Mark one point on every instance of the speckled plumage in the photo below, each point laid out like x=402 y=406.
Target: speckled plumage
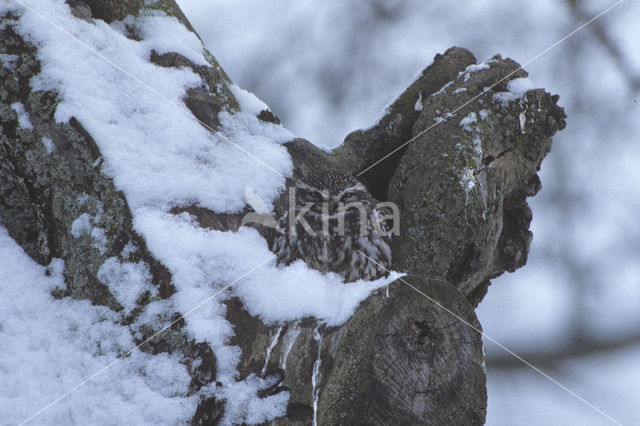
x=334 y=251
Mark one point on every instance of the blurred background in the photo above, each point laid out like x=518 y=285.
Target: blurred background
x=327 y=68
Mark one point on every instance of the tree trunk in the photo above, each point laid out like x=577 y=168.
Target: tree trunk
x=461 y=186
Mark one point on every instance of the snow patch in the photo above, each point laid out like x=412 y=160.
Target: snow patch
x=48 y=145
x=127 y=281
x=274 y=342
x=523 y=121
x=466 y=122
x=82 y=225
x=315 y=375
x=85 y=225
x=82 y=199
x=244 y=407
x=288 y=340
x=418 y=105
x=443 y=88
x=247 y=100
x=99 y=238
x=23 y=117
x=516 y=90
x=471 y=69
x=153 y=28
x=48 y=346
x=468 y=180
x=520 y=86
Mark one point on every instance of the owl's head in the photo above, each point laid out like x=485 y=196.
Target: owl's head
x=332 y=188
x=335 y=221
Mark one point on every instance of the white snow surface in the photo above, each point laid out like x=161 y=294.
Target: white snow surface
x=48 y=145
x=516 y=89
x=470 y=119
x=472 y=69
x=49 y=346
x=84 y=225
x=520 y=86
x=161 y=157
x=418 y=105
x=127 y=281
x=23 y=117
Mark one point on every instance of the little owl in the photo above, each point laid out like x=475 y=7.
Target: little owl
x=330 y=219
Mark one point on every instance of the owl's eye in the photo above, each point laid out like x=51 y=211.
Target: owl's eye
x=349 y=197
x=309 y=196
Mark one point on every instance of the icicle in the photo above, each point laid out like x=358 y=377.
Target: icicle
x=316 y=374
x=273 y=344
x=287 y=343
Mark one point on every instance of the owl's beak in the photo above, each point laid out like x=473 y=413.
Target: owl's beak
x=333 y=207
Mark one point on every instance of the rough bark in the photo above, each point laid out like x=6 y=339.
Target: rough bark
x=462 y=195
